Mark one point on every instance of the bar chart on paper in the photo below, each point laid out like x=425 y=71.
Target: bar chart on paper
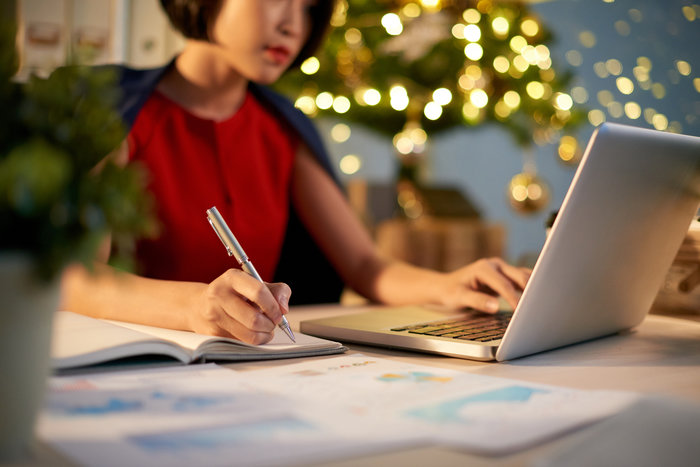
x=310 y=411
x=478 y=413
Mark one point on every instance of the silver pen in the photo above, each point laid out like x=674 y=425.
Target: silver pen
x=234 y=249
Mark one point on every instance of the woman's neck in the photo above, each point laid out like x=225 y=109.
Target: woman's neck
x=203 y=83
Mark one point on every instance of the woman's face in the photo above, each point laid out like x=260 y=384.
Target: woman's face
x=261 y=38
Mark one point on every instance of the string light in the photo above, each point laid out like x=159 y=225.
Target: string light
x=529 y=27
x=472 y=33
x=324 y=100
x=683 y=67
x=340 y=132
x=310 y=66
x=392 y=24
x=350 y=164
x=341 y=104
x=633 y=110
x=432 y=110
x=535 y=89
x=563 y=101
x=624 y=85
x=511 y=74
x=501 y=64
x=500 y=26
x=512 y=99
x=471 y=15
x=478 y=98
x=480 y=95
x=473 y=51
x=442 y=96
x=306 y=104
x=399 y=98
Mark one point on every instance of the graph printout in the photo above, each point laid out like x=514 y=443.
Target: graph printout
x=311 y=411
x=474 y=412
x=194 y=415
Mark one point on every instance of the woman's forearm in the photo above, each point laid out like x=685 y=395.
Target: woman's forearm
x=399 y=283
x=112 y=294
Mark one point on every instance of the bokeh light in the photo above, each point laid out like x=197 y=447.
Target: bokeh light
x=624 y=85
x=472 y=33
x=432 y=110
x=479 y=98
x=324 y=100
x=392 y=24
x=341 y=104
x=340 y=132
x=529 y=27
x=473 y=51
x=310 y=66
x=350 y=164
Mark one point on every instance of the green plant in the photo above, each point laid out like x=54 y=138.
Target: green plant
x=60 y=196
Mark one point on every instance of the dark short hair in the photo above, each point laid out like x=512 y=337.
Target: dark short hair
x=193 y=19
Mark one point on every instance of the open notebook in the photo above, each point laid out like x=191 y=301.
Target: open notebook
x=82 y=341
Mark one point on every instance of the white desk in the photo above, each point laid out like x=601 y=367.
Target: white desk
x=664 y=347
x=661 y=356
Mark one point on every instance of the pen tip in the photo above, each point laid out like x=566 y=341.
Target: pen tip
x=289 y=333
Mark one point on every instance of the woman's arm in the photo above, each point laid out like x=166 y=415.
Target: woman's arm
x=234 y=304
x=330 y=219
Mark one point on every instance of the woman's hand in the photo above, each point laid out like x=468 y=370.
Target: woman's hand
x=480 y=283
x=237 y=305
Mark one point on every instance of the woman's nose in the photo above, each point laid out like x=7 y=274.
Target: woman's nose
x=293 y=19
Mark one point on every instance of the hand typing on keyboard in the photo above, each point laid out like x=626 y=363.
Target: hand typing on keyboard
x=479 y=284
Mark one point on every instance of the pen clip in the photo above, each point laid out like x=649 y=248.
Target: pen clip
x=218 y=234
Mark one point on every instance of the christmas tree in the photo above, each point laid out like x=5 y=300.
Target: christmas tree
x=410 y=69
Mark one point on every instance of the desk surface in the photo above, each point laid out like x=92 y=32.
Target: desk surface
x=665 y=347
x=659 y=357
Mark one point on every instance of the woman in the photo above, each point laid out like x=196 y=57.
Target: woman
x=210 y=134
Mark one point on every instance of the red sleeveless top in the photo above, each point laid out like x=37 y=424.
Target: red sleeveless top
x=242 y=165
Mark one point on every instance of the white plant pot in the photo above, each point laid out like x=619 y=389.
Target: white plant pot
x=26 y=314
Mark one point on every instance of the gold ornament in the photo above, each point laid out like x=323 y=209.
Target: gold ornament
x=528 y=193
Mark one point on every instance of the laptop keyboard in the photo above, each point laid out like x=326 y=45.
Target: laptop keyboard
x=473 y=327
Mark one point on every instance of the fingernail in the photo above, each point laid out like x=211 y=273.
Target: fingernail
x=492 y=305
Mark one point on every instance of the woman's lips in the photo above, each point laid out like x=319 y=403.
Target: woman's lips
x=278 y=54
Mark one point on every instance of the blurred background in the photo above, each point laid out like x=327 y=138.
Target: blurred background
x=456 y=125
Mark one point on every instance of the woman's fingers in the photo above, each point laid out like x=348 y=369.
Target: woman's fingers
x=236 y=304
x=282 y=292
x=506 y=280
x=245 y=334
x=257 y=293
x=519 y=276
x=492 y=277
x=480 y=301
x=485 y=278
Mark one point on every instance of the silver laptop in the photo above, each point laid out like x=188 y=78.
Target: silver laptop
x=620 y=225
